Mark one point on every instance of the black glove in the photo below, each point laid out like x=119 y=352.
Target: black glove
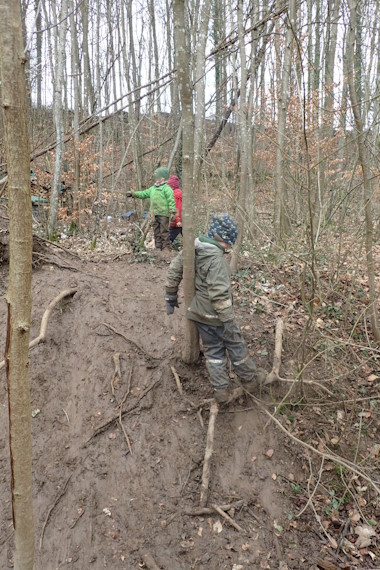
x=229 y=328
x=171 y=303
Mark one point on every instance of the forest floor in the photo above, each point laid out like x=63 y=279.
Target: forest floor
x=117 y=458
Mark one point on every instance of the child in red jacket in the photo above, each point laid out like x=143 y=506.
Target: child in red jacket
x=175 y=226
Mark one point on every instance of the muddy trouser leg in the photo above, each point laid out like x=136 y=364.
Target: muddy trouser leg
x=164 y=231
x=157 y=232
x=215 y=354
x=241 y=361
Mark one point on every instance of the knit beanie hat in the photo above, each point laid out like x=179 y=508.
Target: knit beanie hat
x=161 y=172
x=223 y=227
x=173 y=182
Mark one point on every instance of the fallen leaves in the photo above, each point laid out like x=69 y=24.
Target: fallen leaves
x=365 y=534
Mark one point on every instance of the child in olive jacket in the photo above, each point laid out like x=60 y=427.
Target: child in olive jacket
x=162 y=206
x=212 y=309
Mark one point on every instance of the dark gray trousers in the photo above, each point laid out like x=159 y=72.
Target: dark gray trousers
x=161 y=232
x=217 y=344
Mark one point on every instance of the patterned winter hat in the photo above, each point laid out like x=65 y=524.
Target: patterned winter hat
x=173 y=182
x=223 y=227
x=161 y=172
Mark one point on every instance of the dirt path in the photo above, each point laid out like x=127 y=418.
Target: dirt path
x=97 y=505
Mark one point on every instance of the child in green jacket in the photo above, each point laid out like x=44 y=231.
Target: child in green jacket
x=162 y=205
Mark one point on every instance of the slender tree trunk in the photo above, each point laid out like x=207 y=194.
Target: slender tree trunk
x=355 y=92
x=244 y=145
x=58 y=122
x=200 y=85
x=16 y=138
x=77 y=107
x=281 y=220
x=191 y=345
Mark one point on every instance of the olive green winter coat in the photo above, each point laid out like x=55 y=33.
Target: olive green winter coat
x=212 y=303
x=161 y=199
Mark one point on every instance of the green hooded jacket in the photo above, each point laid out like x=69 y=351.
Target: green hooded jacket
x=161 y=199
x=212 y=303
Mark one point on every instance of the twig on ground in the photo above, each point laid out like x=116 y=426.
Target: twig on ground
x=120 y=411
x=81 y=513
x=44 y=322
x=111 y=328
x=67 y=416
x=208 y=454
x=228 y=518
x=177 y=379
x=201 y=511
x=117 y=372
x=107 y=424
x=56 y=501
x=311 y=495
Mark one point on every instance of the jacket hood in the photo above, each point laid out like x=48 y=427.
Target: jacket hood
x=205 y=248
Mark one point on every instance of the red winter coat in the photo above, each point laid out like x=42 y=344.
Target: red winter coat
x=173 y=182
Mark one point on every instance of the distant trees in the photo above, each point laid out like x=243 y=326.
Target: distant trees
x=274 y=75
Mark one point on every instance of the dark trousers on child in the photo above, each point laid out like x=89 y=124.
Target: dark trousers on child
x=161 y=232
x=174 y=232
x=217 y=343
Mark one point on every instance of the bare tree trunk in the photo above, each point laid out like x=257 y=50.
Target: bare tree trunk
x=58 y=121
x=16 y=136
x=77 y=106
x=89 y=90
x=191 y=345
x=281 y=220
x=355 y=93
x=244 y=143
x=200 y=85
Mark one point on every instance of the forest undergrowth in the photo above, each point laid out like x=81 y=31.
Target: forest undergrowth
x=330 y=367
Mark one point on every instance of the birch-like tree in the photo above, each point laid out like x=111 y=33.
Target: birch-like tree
x=58 y=120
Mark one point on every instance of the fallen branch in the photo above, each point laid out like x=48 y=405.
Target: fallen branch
x=201 y=511
x=109 y=423
x=44 y=322
x=208 y=454
x=228 y=518
x=56 y=501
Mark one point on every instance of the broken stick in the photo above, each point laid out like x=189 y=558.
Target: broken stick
x=208 y=454
x=117 y=372
x=275 y=373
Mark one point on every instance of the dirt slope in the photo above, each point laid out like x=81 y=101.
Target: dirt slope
x=99 y=506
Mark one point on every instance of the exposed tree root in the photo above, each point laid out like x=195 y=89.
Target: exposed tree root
x=44 y=322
